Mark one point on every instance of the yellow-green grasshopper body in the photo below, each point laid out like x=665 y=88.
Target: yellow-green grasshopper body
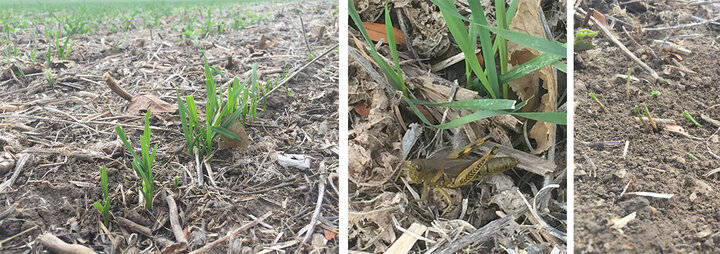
x=455 y=169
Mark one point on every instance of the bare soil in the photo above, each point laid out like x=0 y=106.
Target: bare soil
x=68 y=131
x=657 y=162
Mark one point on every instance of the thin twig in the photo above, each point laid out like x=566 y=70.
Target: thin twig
x=683 y=25
x=282 y=83
x=22 y=160
x=302 y=24
x=55 y=245
x=174 y=221
x=318 y=206
x=622 y=47
x=479 y=236
x=8 y=211
x=89 y=122
x=18 y=234
x=211 y=245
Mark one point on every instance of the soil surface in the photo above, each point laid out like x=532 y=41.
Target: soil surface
x=67 y=131
x=657 y=162
x=383 y=208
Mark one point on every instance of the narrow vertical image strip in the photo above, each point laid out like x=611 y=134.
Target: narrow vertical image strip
x=647 y=115
x=171 y=126
x=456 y=126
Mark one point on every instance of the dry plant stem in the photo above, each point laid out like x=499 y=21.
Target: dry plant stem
x=542 y=200
x=682 y=26
x=18 y=234
x=449 y=61
x=211 y=175
x=366 y=65
x=116 y=88
x=702 y=19
x=647 y=113
x=704 y=3
x=481 y=235
x=56 y=245
x=592 y=164
x=107 y=232
x=198 y=167
x=8 y=211
x=404 y=29
x=174 y=221
x=708 y=119
x=407 y=240
x=90 y=122
x=318 y=206
x=538 y=220
x=19 y=165
x=622 y=47
x=134 y=226
x=302 y=24
x=625 y=150
x=209 y=246
x=451 y=97
x=289 y=77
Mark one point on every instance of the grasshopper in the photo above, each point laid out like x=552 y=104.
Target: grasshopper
x=455 y=169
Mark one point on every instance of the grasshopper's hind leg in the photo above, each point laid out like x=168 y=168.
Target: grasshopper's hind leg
x=424 y=194
x=447 y=199
x=476 y=170
x=465 y=150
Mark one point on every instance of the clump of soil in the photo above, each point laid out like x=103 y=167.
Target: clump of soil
x=67 y=129
x=659 y=162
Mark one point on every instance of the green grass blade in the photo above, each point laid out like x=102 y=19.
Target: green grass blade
x=183 y=111
x=529 y=67
x=471 y=118
x=390 y=34
x=99 y=207
x=520 y=38
x=191 y=108
x=476 y=104
x=529 y=41
x=104 y=182
x=121 y=134
x=145 y=142
x=512 y=8
x=394 y=78
x=462 y=37
x=502 y=44
x=227 y=133
x=561 y=66
x=550 y=117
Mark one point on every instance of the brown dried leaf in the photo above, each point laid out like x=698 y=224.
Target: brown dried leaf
x=143 y=102
x=376 y=31
x=262 y=45
x=241 y=144
x=527 y=20
x=62 y=64
x=599 y=17
x=362 y=109
x=329 y=235
x=358 y=161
